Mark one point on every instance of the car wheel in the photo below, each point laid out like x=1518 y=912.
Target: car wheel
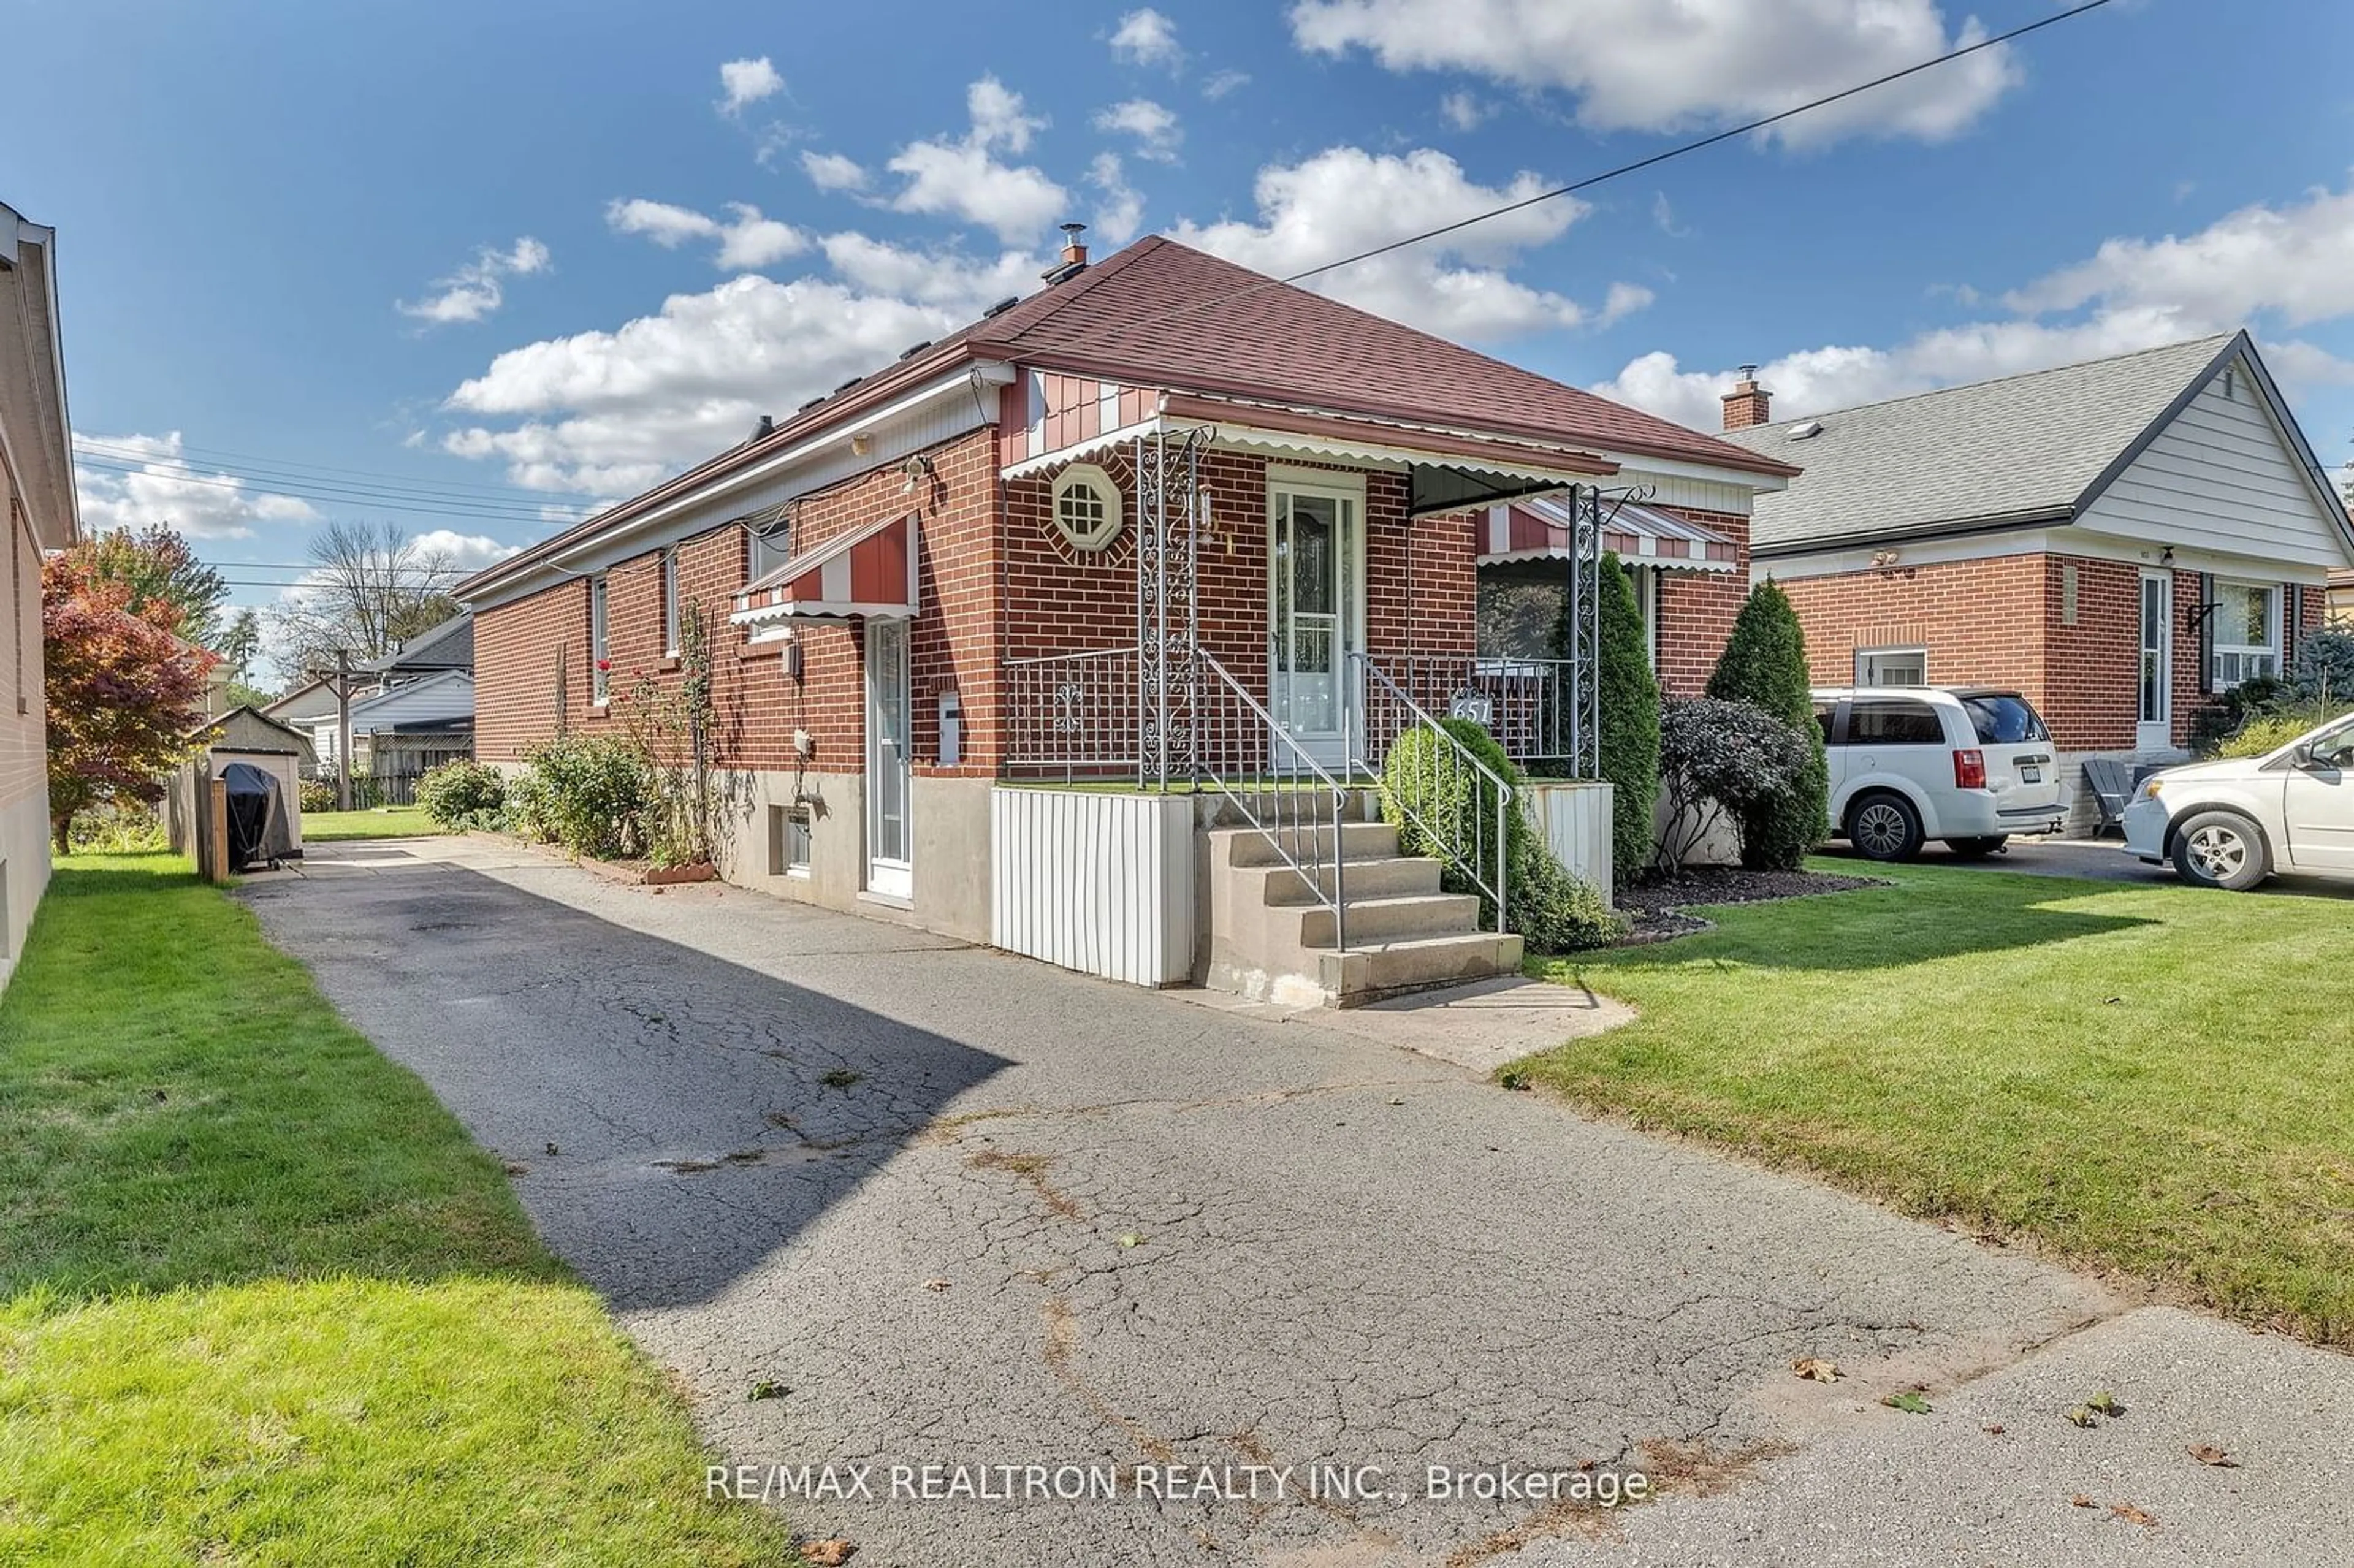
x=1977 y=849
x=1884 y=827
x=2220 y=848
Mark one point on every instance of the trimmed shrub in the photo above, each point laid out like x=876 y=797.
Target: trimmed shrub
x=2325 y=668
x=1553 y=911
x=2268 y=733
x=463 y=794
x=530 y=810
x=591 y=797
x=1765 y=663
x=1727 y=759
x=1629 y=701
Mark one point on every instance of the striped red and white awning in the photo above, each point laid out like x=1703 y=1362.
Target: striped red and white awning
x=869 y=571
x=1543 y=530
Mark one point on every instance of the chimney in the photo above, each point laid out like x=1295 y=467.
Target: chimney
x=1075 y=255
x=1748 y=404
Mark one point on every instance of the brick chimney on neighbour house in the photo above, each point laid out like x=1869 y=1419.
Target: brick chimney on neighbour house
x=1748 y=404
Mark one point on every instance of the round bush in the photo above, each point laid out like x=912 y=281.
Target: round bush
x=462 y=794
x=317 y=795
x=1734 y=755
x=1426 y=779
x=592 y=795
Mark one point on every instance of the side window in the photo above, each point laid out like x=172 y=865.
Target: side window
x=1875 y=722
x=1825 y=713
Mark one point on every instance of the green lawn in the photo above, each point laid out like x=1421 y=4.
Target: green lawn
x=389 y=823
x=261 y=1301
x=2151 y=1077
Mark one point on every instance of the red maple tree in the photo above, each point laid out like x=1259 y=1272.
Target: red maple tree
x=124 y=692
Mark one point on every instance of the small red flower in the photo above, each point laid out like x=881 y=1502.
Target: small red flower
x=604 y=663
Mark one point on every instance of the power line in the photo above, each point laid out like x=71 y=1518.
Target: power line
x=1763 y=123
x=382 y=501
x=124 y=458
x=244 y=459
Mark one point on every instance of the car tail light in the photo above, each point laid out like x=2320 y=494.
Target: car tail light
x=1969 y=770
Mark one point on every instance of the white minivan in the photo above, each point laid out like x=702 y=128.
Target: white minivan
x=1969 y=765
x=2232 y=822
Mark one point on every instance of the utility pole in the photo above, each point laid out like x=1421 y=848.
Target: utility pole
x=343 y=729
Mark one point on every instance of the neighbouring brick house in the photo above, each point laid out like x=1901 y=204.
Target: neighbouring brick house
x=2122 y=540
x=952 y=573
x=37 y=487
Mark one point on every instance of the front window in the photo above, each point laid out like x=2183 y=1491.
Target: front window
x=2247 y=633
x=772 y=540
x=601 y=661
x=1086 y=507
x=1893 y=667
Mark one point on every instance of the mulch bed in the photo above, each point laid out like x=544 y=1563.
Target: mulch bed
x=1658 y=908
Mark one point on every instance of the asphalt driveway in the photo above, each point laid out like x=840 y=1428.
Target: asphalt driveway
x=877 y=1199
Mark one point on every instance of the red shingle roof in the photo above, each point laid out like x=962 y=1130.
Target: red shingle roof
x=1162 y=313
x=1159 y=314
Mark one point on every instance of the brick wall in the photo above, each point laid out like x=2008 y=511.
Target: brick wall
x=1697 y=609
x=997 y=581
x=1980 y=620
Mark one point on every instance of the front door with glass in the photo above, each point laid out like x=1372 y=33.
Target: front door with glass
x=890 y=869
x=1316 y=614
x=2155 y=732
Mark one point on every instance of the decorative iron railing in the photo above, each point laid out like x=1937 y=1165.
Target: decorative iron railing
x=1441 y=770
x=1240 y=751
x=1074 y=715
x=1530 y=705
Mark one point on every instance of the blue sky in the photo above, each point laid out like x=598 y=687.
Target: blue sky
x=496 y=262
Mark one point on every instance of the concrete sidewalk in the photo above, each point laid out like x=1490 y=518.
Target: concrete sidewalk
x=940 y=1205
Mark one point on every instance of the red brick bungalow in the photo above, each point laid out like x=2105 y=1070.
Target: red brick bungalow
x=929 y=583
x=2123 y=540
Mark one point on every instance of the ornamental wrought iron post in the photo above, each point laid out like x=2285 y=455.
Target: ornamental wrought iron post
x=1584 y=716
x=1168 y=615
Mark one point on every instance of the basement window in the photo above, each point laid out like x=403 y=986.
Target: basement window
x=788 y=841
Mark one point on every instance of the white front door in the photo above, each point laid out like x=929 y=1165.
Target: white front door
x=890 y=850
x=2156 y=729
x=1316 y=560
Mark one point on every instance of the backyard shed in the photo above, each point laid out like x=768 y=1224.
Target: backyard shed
x=242 y=734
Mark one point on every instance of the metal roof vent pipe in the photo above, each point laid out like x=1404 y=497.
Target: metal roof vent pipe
x=1075 y=255
x=766 y=427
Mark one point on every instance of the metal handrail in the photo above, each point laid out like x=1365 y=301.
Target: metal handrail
x=1073 y=714
x=1234 y=727
x=1455 y=755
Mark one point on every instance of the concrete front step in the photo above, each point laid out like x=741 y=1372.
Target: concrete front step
x=1390 y=876
x=1248 y=846
x=1375 y=920
x=1383 y=969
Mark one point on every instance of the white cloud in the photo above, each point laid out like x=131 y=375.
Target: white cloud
x=1155 y=128
x=2285 y=264
x=608 y=413
x=747 y=82
x=1121 y=212
x=748 y=241
x=1145 y=37
x=464 y=551
x=1663 y=213
x=1623 y=301
x=834 y=172
x=998 y=119
x=1464 y=110
x=163 y=486
x=1638 y=64
x=658 y=221
x=479 y=288
x=1345 y=200
x=1225 y=82
x=963 y=178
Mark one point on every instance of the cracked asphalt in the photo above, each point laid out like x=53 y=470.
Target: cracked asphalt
x=941 y=1205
